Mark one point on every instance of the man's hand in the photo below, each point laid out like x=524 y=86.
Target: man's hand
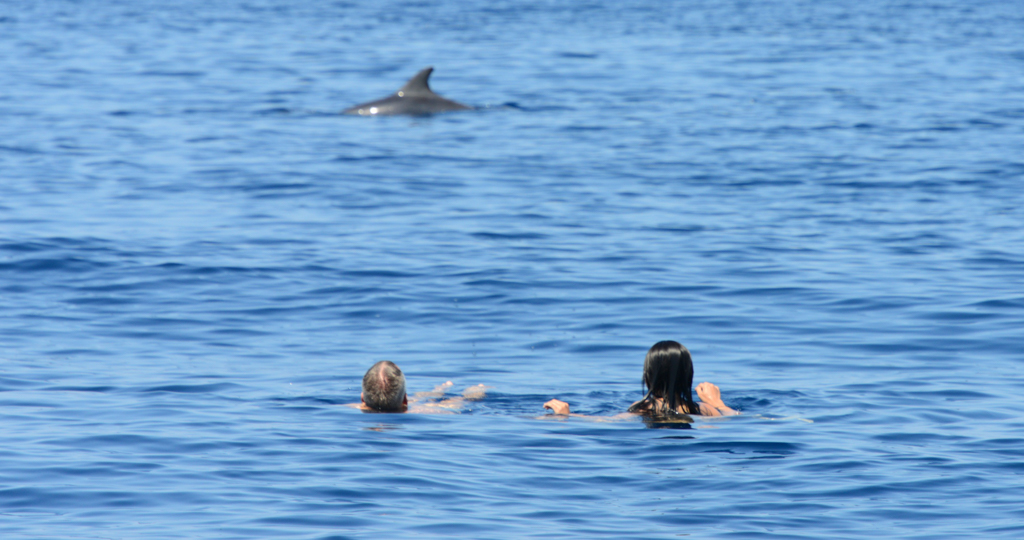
x=475 y=392
x=442 y=388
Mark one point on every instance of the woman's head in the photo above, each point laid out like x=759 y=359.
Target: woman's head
x=668 y=376
x=384 y=387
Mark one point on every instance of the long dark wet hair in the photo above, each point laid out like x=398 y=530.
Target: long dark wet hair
x=668 y=374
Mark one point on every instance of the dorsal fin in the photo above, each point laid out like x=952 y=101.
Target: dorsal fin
x=417 y=84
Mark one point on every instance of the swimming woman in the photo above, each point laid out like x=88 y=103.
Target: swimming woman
x=668 y=378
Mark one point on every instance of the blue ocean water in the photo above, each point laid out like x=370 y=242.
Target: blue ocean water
x=199 y=258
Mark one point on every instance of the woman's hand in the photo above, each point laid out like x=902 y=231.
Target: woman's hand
x=710 y=394
x=557 y=407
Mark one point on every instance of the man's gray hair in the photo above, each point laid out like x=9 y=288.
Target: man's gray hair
x=384 y=387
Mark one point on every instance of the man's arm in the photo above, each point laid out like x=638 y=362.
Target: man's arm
x=450 y=405
x=438 y=391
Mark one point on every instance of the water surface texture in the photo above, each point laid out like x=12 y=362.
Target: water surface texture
x=199 y=258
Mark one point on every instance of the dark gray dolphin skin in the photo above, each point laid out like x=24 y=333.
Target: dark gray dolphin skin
x=415 y=98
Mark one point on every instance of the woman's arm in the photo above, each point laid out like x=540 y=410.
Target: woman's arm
x=561 y=408
x=557 y=406
x=712 y=404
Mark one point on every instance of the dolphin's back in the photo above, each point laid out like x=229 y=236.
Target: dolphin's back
x=414 y=98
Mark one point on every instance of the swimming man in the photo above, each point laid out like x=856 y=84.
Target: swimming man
x=384 y=391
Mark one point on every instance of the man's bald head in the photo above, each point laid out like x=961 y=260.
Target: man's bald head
x=384 y=387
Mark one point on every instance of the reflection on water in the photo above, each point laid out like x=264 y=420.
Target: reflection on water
x=383 y=427
x=667 y=423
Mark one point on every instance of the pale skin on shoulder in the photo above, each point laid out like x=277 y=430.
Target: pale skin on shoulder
x=711 y=404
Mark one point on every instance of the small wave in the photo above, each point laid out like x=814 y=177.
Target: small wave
x=192 y=388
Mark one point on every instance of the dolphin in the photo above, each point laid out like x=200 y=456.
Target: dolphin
x=415 y=98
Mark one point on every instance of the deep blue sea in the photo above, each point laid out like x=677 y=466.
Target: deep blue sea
x=199 y=259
